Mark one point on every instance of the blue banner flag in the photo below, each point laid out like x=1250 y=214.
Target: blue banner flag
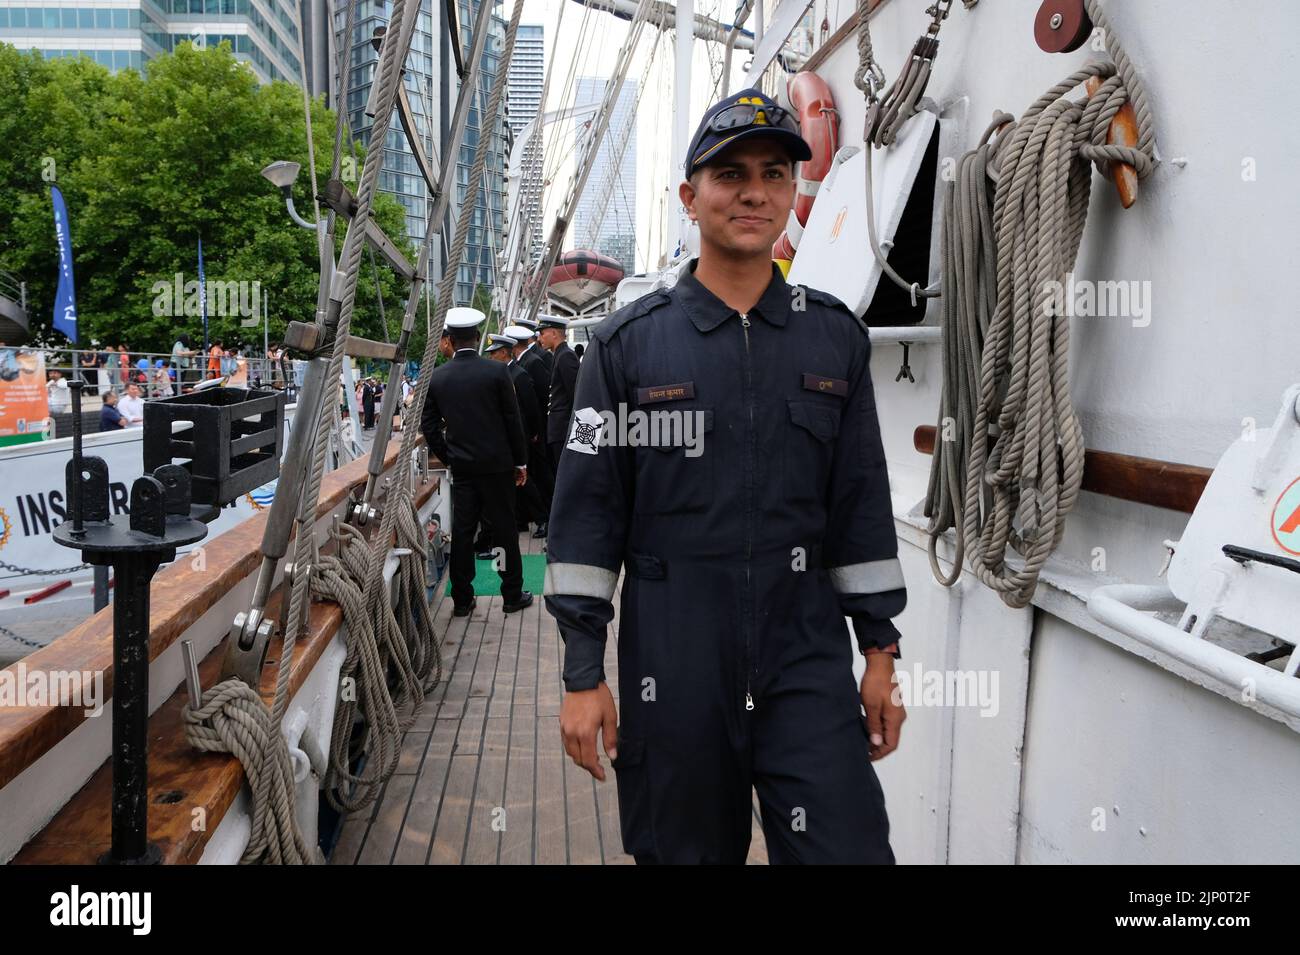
x=203 y=297
x=65 y=299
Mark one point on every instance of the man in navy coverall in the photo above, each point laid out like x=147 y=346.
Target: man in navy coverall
x=750 y=519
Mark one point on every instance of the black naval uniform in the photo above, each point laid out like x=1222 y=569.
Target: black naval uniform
x=564 y=382
x=474 y=398
x=538 y=363
x=742 y=562
x=534 y=498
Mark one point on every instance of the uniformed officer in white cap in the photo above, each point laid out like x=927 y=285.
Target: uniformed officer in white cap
x=537 y=362
x=472 y=423
x=532 y=501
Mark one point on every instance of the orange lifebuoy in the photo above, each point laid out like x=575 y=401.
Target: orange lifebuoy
x=819 y=124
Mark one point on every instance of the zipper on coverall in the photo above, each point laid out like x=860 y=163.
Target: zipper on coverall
x=749 y=544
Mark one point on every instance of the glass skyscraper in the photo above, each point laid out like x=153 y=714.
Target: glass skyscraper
x=527 y=73
x=431 y=85
x=605 y=220
x=126 y=33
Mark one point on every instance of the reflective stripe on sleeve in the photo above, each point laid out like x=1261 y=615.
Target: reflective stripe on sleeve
x=579 y=580
x=872 y=577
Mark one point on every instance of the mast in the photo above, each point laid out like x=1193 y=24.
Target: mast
x=683 y=50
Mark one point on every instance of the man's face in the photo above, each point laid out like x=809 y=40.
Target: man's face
x=550 y=338
x=742 y=200
x=110 y=398
x=444 y=346
x=500 y=354
x=133 y=391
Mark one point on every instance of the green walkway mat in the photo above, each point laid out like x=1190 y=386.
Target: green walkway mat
x=487 y=582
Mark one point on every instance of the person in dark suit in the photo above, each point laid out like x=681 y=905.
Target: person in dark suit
x=529 y=504
x=368 y=405
x=564 y=383
x=472 y=423
x=537 y=362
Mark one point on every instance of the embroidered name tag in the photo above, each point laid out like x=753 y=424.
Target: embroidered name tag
x=829 y=386
x=678 y=392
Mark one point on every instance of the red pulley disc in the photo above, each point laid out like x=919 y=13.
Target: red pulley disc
x=1061 y=26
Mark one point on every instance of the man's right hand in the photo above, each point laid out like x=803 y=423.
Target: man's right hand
x=583 y=714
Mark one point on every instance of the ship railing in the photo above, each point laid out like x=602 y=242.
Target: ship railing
x=55 y=777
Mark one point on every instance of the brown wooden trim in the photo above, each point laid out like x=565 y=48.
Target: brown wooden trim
x=1176 y=487
x=179 y=597
x=180 y=778
x=847 y=29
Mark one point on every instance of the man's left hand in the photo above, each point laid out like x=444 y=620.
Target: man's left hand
x=884 y=716
x=521 y=475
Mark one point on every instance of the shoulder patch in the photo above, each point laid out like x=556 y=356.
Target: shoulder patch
x=633 y=310
x=825 y=298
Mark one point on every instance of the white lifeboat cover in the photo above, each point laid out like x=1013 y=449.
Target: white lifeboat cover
x=835 y=252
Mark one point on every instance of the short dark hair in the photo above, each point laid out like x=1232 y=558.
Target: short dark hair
x=463 y=337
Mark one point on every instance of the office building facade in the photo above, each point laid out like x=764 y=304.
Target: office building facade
x=126 y=34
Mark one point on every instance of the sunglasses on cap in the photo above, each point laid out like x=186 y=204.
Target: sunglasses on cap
x=740 y=115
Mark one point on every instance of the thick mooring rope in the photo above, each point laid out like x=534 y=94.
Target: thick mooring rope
x=233 y=719
x=400 y=516
x=217 y=734
x=1023 y=478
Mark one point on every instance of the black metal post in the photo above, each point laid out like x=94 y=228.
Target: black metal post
x=74 y=487
x=131 y=846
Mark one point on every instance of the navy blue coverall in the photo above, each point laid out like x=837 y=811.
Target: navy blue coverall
x=743 y=556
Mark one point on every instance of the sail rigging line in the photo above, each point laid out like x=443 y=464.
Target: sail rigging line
x=591 y=146
x=311 y=144
x=1022 y=481
x=400 y=516
x=264 y=785
x=619 y=151
x=231 y=717
x=581 y=53
x=362 y=586
x=888 y=112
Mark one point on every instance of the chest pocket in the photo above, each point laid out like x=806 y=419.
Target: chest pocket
x=674 y=461
x=810 y=448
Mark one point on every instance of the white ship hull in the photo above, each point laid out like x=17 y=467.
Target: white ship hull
x=1102 y=749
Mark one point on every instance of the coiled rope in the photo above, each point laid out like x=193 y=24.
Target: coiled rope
x=1024 y=449
x=221 y=703
x=400 y=515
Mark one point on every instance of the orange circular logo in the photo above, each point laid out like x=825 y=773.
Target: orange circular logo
x=1286 y=519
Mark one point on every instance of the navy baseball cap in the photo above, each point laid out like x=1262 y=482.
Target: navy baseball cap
x=744 y=115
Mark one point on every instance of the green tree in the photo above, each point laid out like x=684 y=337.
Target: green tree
x=147 y=165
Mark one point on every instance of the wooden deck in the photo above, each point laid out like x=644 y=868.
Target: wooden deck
x=483 y=777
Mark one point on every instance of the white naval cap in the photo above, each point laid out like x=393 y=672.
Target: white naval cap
x=499 y=342
x=527 y=323
x=554 y=321
x=519 y=333
x=462 y=317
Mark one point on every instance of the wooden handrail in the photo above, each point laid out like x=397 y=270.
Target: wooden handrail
x=182 y=780
x=179 y=597
x=1176 y=487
